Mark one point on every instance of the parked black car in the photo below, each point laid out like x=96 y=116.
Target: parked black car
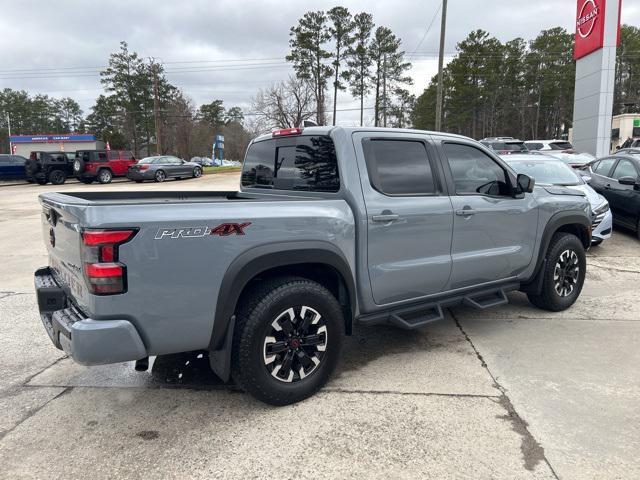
x=617 y=178
x=54 y=167
x=12 y=167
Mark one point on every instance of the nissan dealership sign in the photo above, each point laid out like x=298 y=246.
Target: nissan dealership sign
x=590 y=22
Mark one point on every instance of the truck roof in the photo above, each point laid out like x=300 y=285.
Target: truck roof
x=326 y=130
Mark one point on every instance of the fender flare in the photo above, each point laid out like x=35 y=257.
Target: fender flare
x=557 y=221
x=254 y=262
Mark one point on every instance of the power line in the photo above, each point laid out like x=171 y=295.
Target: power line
x=426 y=32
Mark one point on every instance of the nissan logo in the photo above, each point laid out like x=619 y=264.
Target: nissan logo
x=587 y=18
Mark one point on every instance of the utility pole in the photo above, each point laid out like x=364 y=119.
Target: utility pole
x=384 y=90
x=440 y=65
x=156 y=107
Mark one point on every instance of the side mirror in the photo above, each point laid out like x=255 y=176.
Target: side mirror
x=627 y=181
x=525 y=183
x=586 y=178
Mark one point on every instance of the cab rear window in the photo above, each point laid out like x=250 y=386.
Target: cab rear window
x=304 y=163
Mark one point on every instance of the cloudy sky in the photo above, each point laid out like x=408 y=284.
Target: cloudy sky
x=228 y=49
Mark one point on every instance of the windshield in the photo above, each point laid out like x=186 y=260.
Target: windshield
x=551 y=172
x=510 y=146
x=148 y=160
x=561 y=146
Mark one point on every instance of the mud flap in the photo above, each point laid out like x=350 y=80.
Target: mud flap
x=220 y=360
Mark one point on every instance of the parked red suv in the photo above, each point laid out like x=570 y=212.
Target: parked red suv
x=101 y=165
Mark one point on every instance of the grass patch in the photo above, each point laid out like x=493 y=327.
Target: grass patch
x=221 y=169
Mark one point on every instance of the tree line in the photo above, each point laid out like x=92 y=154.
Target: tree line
x=519 y=88
x=124 y=114
x=332 y=52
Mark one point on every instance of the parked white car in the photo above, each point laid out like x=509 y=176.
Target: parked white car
x=547 y=170
x=560 y=149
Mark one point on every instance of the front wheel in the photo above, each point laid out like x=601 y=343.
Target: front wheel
x=160 y=176
x=287 y=339
x=197 y=172
x=563 y=274
x=105 y=176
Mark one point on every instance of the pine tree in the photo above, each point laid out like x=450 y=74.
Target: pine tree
x=358 y=73
x=309 y=56
x=341 y=30
x=389 y=70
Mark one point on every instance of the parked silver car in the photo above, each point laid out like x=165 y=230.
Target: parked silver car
x=161 y=167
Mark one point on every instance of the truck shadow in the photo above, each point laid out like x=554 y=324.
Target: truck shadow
x=366 y=345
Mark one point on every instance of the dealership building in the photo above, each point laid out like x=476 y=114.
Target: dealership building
x=25 y=144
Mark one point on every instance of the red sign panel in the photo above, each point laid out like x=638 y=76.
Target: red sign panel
x=589 y=27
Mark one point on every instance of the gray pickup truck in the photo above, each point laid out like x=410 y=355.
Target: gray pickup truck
x=333 y=228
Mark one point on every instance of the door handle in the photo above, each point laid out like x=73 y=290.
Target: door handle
x=607 y=186
x=385 y=218
x=465 y=212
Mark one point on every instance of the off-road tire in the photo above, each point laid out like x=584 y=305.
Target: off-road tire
x=160 y=176
x=549 y=298
x=105 y=176
x=79 y=163
x=258 y=308
x=57 y=177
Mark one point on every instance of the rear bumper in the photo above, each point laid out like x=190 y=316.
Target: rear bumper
x=87 y=341
x=146 y=175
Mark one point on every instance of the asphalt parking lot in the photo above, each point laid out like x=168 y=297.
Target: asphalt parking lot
x=512 y=392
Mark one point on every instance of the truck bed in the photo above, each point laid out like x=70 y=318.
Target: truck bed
x=138 y=198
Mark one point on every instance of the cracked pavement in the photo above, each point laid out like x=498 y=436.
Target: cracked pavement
x=510 y=392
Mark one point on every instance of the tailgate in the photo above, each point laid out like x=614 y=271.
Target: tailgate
x=61 y=232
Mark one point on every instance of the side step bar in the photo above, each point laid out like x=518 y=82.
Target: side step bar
x=417 y=316
x=486 y=300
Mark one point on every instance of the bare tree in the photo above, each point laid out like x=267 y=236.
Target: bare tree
x=286 y=104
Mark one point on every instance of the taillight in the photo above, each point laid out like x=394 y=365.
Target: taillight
x=144 y=166
x=105 y=275
x=283 y=132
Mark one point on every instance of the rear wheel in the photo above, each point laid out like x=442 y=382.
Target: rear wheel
x=160 y=176
x=287 y=339
x=105 y=176
x=57 y=177
x=563 y=274
x=197 y=172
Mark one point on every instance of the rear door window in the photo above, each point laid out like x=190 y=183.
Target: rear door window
x=399 y=167
x=305 y=163
x=604 y=166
